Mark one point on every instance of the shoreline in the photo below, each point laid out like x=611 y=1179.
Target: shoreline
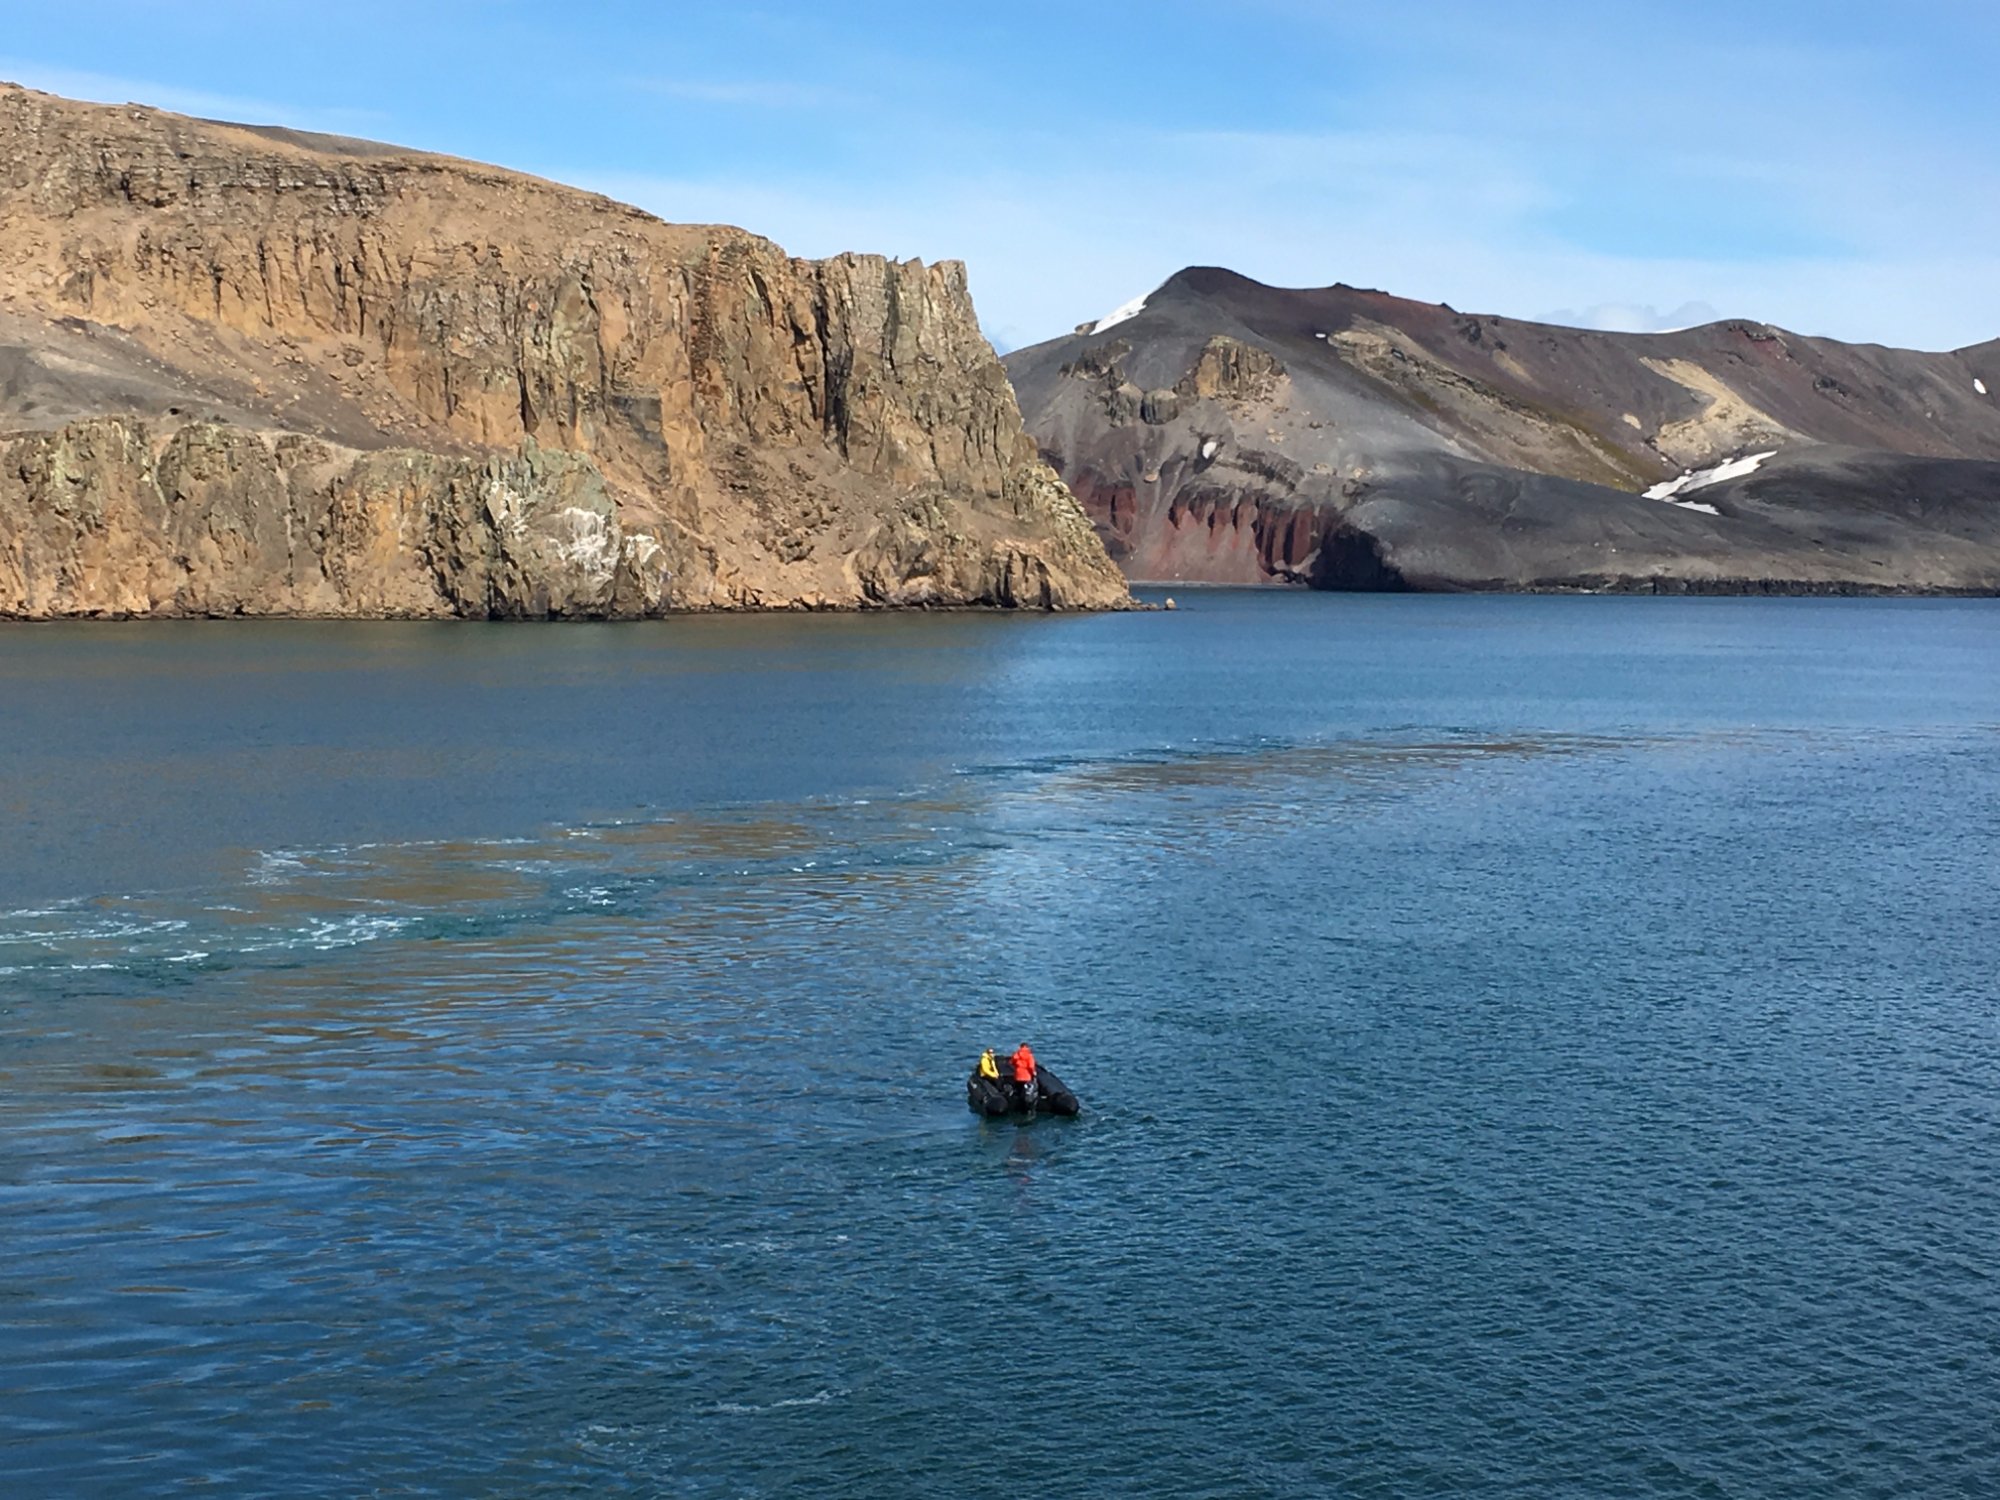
x=1667 y=589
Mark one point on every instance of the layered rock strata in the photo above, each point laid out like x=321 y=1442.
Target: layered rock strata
x=255 y=371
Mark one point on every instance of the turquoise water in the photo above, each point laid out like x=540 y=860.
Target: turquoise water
x=1530 y=1047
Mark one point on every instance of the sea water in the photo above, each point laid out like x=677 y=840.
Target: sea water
x=1539 y=1047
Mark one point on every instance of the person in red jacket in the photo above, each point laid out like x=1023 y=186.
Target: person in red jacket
x=1024 y=1073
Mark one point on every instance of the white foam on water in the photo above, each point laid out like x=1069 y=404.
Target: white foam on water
x=108 y=930
x=751 y=1409
x=326 y=934
x=275 y=867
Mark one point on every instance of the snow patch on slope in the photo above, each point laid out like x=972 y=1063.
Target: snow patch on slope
x=1123 y=314
x=1979 y=385
x=1673 y=489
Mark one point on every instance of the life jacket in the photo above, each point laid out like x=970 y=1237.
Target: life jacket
x=988 y=1068
x=1024 y=1064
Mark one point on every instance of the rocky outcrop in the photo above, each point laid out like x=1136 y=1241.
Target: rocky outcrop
x=213 y=520
x=265 y=372
x=1237 y=433
x=1230 y=370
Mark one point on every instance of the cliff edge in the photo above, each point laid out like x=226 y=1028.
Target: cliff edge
x=250 y=370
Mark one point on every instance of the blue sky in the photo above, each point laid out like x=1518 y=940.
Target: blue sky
x=1829 y=167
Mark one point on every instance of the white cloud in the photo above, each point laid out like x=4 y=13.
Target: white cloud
x=107 y=88
x=1623 y=317
x=1736 y=190
x=749 y=93
x=1051 y=240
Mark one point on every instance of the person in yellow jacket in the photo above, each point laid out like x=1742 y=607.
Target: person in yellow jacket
x=988 y=1067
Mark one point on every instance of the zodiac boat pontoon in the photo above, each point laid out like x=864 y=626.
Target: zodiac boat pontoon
x=997 y=1098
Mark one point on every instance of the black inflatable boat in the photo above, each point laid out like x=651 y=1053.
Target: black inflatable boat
x=997 y=1098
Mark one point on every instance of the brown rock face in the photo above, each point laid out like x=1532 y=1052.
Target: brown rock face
x=252 y=371
x=1228 y=370
x=106 y=518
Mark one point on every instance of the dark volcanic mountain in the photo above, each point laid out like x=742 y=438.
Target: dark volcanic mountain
x=1226 y=431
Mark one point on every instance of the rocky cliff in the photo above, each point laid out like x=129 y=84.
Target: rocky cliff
x=1232 y=432
x=254 y=371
